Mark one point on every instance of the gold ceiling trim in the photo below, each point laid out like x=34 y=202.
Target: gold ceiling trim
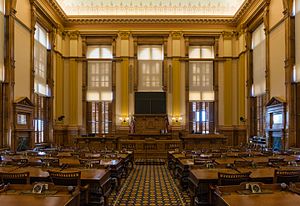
x=151 y=20
x=156 y=20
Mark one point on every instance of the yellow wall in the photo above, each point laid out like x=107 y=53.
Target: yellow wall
x=221 y=106
x=23 y=9
x=66 y=87
x=277 y=57
x=22 y=64
x=276 y=12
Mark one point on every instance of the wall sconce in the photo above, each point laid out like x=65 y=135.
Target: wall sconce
x=176 y=119
x=124 y=120
x=243 y=120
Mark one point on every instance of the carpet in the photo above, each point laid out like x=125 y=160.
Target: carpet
x=149 y=185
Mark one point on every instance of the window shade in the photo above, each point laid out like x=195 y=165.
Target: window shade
x=150 y=52
x=150 y=59
x=99 y=51
x=99 y=81
x=259 y=60
x=197 y=52
x=150 y=75
x=2 y=7
x=1 y=40
x=201 y=81
x=40 y=61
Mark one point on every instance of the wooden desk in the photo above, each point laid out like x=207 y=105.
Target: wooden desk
x=181 y=171
x=264 y=159
x=199 y=181
x=228 y=196
x=64 y=154
x=206 y=175
x=264 y=174
x=97 y=143
x=14 y=197
x=98 y=179
x=274 y=199
x=227 y=160
x=86 y=174
x=200 y=141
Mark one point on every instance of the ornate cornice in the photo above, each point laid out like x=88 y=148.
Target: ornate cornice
x=149 y=20
x=59 y=10
x=240 y=13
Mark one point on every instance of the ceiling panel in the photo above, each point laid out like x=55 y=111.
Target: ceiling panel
x=150 y=7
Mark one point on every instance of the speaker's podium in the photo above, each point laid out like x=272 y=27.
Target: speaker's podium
x=150 y=140
x=150 y=123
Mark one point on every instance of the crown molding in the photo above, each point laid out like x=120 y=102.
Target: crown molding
x=150 y=20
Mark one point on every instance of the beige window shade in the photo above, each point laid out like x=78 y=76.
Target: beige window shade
x=259 y=61
x=1 y=40
x=150 y=52
x=2 y=7
x=40 y=61
x=201 y=81
x=99 y=81
x=197 y=52
x=99 y=51
x=150 y=59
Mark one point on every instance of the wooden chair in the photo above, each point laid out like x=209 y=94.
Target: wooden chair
x=203 y=162
x=15 y=178
x=52 y=162
x=240 y=163
x=90 y=163
x=276 y=161
x=286 y=176
x=70 y=179
x=22 y=161
x=65 y=178
x=232 y=179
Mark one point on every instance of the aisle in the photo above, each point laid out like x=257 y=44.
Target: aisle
x=149 y=185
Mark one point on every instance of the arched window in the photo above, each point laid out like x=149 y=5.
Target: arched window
x=41 y=87
x=201 y=89
x=99 y=89
x=258 y=91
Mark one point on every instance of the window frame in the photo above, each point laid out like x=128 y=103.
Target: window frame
x=96 y=120
x=209 y=106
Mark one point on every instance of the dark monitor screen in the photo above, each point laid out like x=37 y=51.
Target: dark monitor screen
x=150 y=103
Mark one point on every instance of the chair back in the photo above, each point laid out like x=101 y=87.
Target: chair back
x=240 y=163
x=286 y=176
x=15 y=178
x=201 y=161
x=53 y=162
x=276 y=161
x=233 y=179
x=22 y=161
x=65 y=178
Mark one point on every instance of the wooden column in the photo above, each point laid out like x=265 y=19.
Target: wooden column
x=124 y=66
x=8 y=84
x=290 y=123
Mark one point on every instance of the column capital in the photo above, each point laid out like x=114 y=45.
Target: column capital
x=124 y=35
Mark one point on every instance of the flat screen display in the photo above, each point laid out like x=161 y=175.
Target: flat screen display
x=150 y=103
